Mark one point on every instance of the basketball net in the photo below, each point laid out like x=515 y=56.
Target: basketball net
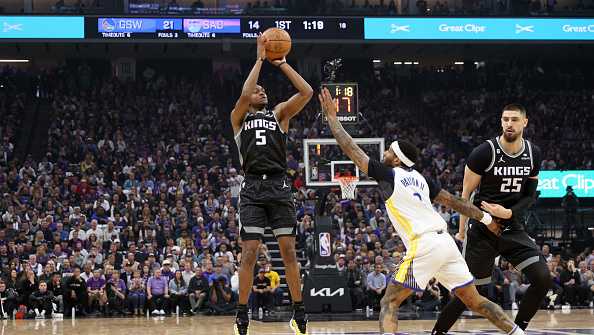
x=348 y=184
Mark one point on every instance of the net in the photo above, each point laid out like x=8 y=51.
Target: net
x=347 y=186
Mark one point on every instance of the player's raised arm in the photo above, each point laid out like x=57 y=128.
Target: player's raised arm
x=249 y=86
x=286 y=110
x=348 y=146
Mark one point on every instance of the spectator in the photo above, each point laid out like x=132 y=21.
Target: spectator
x=8 y=300
x=75 y=294
x=97 y=295
x=136 y=293
x=41 y=301
x=570 y=203
x=262 y=292
x=27 y=285
x=198 y=290
x=157 y=289
x=116 y=294
x=376 y=285
x=167 y=271
x=55 y=286
x=570 y=281
x=499 y=288
x=354 y=283
x=178 y=289
x=275 y=290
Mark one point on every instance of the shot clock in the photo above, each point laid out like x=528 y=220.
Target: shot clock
x=346 y=98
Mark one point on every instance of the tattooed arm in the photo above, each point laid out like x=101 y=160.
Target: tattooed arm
x=464 y=207
x=348 y=146
x=458 y=204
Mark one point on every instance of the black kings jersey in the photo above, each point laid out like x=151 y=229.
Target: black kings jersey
x=262 y=144
x=504 y=176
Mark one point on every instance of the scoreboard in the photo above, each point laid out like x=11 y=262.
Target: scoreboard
x=218 y=28
x=346 y=98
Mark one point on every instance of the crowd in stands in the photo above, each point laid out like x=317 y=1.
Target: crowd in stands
x=133 y=205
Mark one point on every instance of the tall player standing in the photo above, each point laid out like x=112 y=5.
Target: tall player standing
x=265 y=198
x=504 y=171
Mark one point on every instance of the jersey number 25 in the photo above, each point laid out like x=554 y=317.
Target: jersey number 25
x=511 y=185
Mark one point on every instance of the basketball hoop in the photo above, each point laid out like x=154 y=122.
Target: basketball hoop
x=347 y=186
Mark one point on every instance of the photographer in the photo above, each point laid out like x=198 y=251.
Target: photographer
x=430 y=299
x=221 y=297
x=570 y=203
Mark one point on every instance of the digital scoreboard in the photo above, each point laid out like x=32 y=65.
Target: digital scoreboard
x=218 y=28
x=346 y=98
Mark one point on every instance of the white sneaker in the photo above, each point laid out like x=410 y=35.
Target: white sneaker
x=57 y=315
x=162 y=312
x=155 y=312
x=591 y=304
x=514 y=306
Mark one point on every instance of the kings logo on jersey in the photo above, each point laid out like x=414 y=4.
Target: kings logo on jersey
x=325 y=246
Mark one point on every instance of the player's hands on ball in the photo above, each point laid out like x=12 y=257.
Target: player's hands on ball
x=328 y=105
x=496 y=210
x=261 y=49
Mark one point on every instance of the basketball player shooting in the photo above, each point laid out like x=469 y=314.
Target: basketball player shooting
x=265 y=197
x=431 y=251
x=505 y=171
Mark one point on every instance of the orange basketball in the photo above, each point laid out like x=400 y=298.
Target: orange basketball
x=278 y=44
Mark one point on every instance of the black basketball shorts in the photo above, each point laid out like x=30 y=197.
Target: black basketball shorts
x=266 y=202
x=481 y=247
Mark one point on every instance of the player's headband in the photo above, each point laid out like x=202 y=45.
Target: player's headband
x=396 y=148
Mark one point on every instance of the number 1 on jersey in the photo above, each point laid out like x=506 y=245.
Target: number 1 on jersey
x=261 y=137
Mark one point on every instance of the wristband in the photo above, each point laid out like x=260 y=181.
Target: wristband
x=281 y=64
x=487 y=219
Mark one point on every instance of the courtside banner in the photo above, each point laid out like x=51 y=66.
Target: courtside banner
x=479 y=29
x=552 y=184
x=46 y=27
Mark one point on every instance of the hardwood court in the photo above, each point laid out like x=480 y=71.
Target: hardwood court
x=571 y=323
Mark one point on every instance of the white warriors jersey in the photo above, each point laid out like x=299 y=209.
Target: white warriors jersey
x=410 y=208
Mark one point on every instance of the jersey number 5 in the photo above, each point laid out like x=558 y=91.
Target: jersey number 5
x=260 y=137
x=511 y=185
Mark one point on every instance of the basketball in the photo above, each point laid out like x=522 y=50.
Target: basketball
x=278 y=44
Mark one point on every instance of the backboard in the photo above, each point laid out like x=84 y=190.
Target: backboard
x=324 y=160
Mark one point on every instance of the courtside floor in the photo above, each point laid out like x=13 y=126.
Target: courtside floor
x=546 y=322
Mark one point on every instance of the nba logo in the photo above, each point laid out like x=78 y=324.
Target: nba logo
x=325 y=247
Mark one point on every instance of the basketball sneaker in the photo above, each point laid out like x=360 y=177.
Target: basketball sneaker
x=298 y=323
x=242 y=323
